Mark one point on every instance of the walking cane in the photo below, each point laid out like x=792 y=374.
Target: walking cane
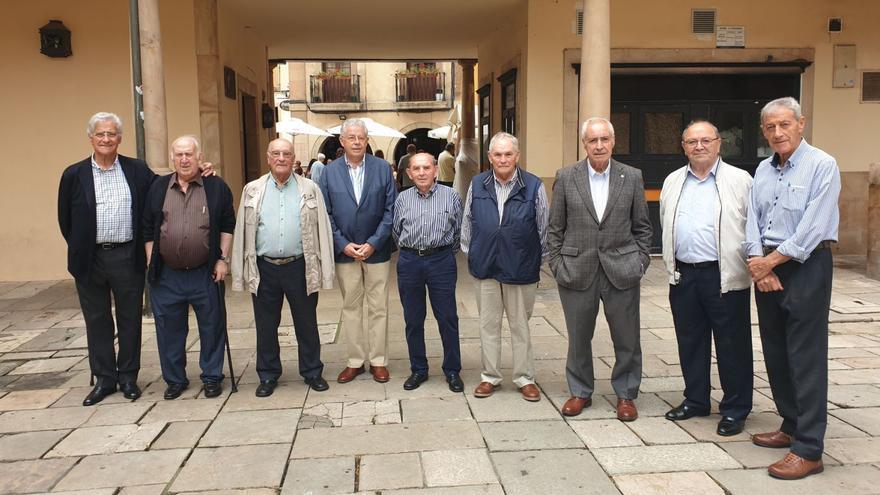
x=221 y=295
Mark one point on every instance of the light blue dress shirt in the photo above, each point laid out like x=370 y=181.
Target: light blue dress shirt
x=695 y=219
x=793 y=205
x=356 y=174
x=278 y=230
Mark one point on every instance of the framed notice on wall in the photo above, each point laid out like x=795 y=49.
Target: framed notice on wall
x=229 y=82
x=730 y=37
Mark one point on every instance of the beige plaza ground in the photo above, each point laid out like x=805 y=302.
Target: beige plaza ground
x=366 y=437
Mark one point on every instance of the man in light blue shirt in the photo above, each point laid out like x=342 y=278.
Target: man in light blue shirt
x=317 y=168
x=703 y=208
x=792 y=221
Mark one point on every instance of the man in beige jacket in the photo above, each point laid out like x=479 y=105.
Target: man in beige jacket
x=283 y=247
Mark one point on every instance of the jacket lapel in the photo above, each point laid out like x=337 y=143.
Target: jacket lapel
x=88 y=184
x=582 y=184
x=615 y=185
x=346 y=179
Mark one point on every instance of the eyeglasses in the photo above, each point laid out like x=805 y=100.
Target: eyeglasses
x=692 y=143
x=285 y=154
x=101 y=135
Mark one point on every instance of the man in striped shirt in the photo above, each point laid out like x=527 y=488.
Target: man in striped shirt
x=427 y=226
x=792 y=221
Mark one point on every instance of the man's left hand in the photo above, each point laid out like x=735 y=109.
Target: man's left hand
x=220 y=271
x=207 y=169
x=759 y=267
x=366 y=250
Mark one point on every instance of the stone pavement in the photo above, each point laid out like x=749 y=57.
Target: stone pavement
x=366 y=437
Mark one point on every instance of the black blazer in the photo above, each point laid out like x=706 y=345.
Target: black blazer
x=220 y=211
x=77 y=215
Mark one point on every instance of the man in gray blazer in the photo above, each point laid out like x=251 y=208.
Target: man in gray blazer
x=598 y=242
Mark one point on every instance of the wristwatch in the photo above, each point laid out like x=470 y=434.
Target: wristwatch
x=224 y=259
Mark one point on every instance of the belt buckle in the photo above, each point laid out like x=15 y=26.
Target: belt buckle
x=106 y=246
x=422 y=252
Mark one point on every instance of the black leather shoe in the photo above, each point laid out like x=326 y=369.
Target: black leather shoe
x=130 y=390
x=97 y=395
x=455 y=383
x=318 y=383
x=414 y=381
x=684 y=412
x=266 y=388
x=174 y=390
x=213 y=389
x=729 y=427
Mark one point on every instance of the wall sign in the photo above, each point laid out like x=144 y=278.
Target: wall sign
x=730 y=37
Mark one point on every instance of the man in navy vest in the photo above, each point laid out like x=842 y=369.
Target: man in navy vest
x=503 y=233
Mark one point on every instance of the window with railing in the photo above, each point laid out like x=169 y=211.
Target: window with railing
x=420 y=82
x=335 y=87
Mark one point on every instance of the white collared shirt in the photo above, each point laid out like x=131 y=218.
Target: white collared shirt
x=599 y=188
x=356 y=174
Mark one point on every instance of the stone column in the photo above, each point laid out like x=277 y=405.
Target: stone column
x=468 y=159
x=873 y=265
x=595 y=84
x=209 y=75
x=155 y=117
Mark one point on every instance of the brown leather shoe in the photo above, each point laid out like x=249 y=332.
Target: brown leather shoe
x=774 y=439
x=575 y=405
x=349 y=374
x=530 y=393
x=626 y=410
x=380 y=373
x=794 y=467
x=484 y=389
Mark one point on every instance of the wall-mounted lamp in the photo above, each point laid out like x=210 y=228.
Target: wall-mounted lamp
x=55 y=40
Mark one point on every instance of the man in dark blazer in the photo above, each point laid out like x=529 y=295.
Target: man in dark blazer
x=100 y=202
x=598 y=242
x=359 y=193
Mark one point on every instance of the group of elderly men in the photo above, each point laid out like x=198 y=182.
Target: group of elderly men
x=722 y=232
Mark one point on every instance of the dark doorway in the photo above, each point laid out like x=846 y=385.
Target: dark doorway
x=250 y=141
x=419 y=137
x=331 y=144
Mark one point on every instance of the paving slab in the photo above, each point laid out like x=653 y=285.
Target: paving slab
x=181 y=435
x=751 y=456
x=143 y=490
x=247 y=466
x=30 y=399
x=360 y=389
x=658 y=431
x=243 y=491
x=429 y=409
x=118 y=414
x=458 y=467
x=551 y=471
x=101 y=491
x=124 y=469
x=450 y=490
x=529 y=435
x=33 y=475
x=599 y=433
x=705 y=429
x=183 y=410
x=29 y=445
x=313 y=476
x=850 y=396
x=44 y=419
x=107 y=439
x=386 y=439
x=287 y=395
x=849 y=480
x=46 y=365
x=664 y=458
x=252 y=427
x=390 y=471
x=854 y=450
x=667 y=484
x=326 y=415
x=866 y=419
x=507 y=404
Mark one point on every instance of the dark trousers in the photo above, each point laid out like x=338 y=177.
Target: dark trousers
x=437 y=272
x=700 y=311
x=113 y=273
x=580 y=308
x=276 y=283
x=794 y=335
x=171 y=296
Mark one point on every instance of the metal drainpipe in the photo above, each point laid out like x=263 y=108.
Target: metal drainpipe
x=135 y=37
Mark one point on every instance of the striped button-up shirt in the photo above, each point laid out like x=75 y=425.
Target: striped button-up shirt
x=426 y=221
x=502 y=192
x=112 y=203
x=793 y=205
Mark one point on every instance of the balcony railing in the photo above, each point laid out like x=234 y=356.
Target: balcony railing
x=336 y=89
x=421 y=87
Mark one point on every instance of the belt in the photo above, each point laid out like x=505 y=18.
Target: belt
x=822 y=245
x=106 y=246
x=427 y=251
x=701 y=264
x=281 y=261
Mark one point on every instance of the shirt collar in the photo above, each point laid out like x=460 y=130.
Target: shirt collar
x=355 y=165
x=198 y=180
x=594 y=174
x=285 y=184
x=512 y=178
x=112 y=165
x=794 y=158
x=430 y=191
x=712 y=171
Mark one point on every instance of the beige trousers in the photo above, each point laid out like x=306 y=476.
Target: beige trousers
x=494 y=299
x=356 y=280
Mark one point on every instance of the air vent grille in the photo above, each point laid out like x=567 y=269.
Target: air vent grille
x=703 y=21
x=579 y=22
x=871 y=86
